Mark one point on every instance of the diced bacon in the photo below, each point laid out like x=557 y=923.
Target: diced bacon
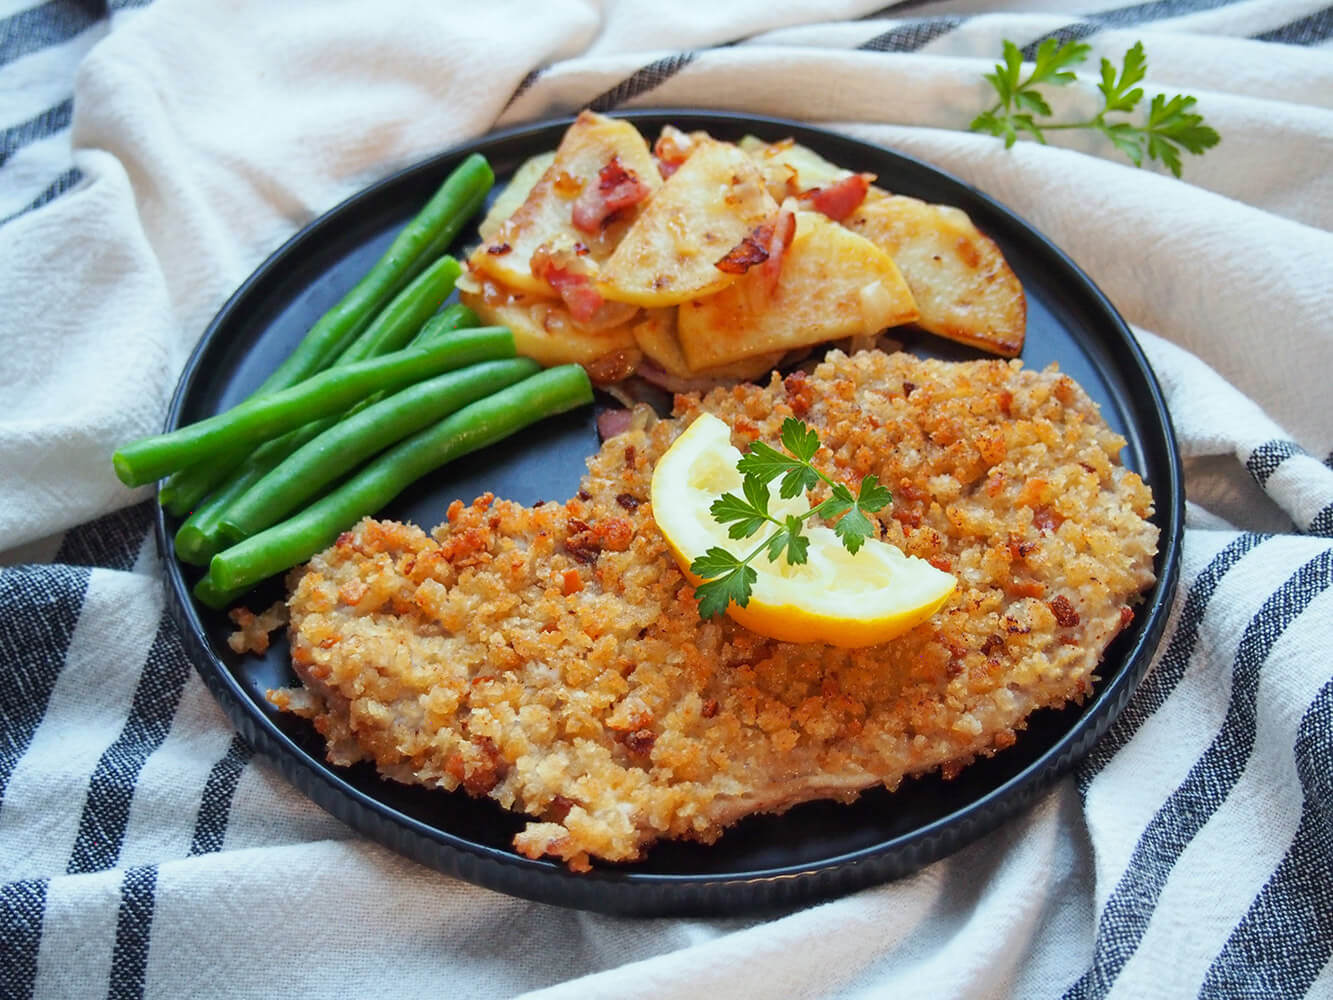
x=841 y=198
x=574 y=286
x=612 y=422
x=571 y=278
x=751 y=250
x=784 y=230
x=582 y=299
x=672 y=148
x=617 y=188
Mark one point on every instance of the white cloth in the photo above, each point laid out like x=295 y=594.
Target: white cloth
x=142 y=850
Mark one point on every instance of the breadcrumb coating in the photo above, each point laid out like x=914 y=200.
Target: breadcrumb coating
x=552 y=657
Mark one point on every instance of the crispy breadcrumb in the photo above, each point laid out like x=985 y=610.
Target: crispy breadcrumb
x=252 y=630
x=552 y=658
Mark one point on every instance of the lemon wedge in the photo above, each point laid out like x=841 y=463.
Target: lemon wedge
x=834 y=597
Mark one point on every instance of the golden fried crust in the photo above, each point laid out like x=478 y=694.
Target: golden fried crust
x=552 y=657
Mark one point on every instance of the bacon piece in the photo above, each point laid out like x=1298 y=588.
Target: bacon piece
x=841 y=198
x=751 y=250
x=784 y=230
x=571 y=279
x=617 y=188
x=672 y=148
x=1065 y=615
x=580 y=298
x=612 y=422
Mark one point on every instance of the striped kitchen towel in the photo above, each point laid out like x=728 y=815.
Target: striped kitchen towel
x=154 y=154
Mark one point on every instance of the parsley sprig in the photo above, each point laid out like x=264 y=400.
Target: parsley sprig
x=728 y=577
x=1172 y=125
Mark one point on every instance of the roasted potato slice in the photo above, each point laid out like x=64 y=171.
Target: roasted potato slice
x=515 y=193
x=546 y=216
x=543 y=329
x=960 y=279
x=833 y=284
x=705 y=208
x=655 y=333
x=790 y=168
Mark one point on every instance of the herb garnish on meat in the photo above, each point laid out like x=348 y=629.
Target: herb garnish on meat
x=728 y=577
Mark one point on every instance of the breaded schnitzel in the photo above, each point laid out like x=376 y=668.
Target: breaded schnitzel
x=553 y=659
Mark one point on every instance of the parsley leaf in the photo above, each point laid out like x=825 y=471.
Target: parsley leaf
x=745 y=519
x=766 y=463
x=873 y=495
x=799 y=439
x=790 y=540
x=715 y=595
x=853 y=528
x=1053 y=61
x=717 y=561
x=1171 y=125
x=1115 y=91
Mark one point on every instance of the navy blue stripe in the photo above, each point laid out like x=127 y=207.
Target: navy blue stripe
x=53 y=190
x=912 y=36
x=1309 y=30
x=524 y=85
x=1157 y=686
x=41 y=610
x=1131 y=905
x=134 y=925
x=1286 y=938
x=1328 y=460
x=641 y=81
x=210 y=827
x=1265 y=459
x=1122 y=17
x=22 y=905
x=50 y=121
x=898 y=8
x=106 y=811
x=1322 y=524
x=111 y=542
x=1069 y=33
x=50 y=24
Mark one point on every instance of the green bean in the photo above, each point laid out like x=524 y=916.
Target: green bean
x=344 y=446
x=260 y=418
x=201 y=537
x=390 y=330
x=477 y=425
x=429 y=234
x=402 y=318
x=452 y=317
x=210 y=594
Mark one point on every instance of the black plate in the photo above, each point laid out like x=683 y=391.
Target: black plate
x=814 y=850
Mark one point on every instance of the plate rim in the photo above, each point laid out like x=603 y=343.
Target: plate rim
x=617 y=890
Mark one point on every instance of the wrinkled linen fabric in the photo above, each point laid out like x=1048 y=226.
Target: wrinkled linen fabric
x=154 y=155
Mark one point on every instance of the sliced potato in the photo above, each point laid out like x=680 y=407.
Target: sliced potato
x=655 y=333
x=543 y=329
x=790 y=168
x=965 y=289
x=515 y=193
x=833 y=284
x=705 y=208
x=546 y=216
